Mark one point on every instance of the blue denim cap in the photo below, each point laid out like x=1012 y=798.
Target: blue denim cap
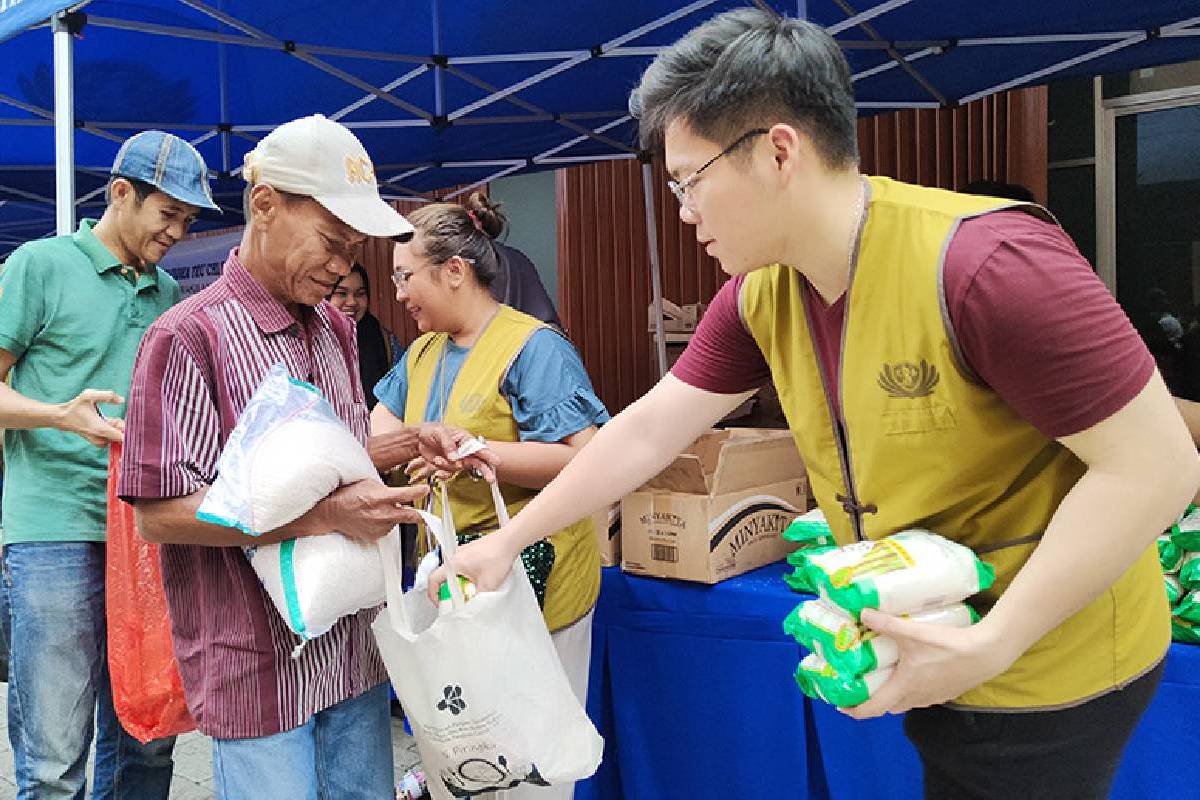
x=167 y=163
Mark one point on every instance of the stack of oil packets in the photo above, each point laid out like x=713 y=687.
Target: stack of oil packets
x=1179 y=554
x=913 y=573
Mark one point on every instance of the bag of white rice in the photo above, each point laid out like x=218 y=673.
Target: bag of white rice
x=820 y=681
x=907 y=572
x=853 y=649
x=288 y=452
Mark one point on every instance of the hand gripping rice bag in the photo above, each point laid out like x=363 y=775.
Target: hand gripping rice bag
x=1186 y=532
x=853 y=649
x=1170 y=554
x=1175 y=591
x=905 y=573
x=820 y=681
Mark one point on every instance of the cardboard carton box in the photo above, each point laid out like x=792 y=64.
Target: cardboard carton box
x=718 y=510
x=608 y=534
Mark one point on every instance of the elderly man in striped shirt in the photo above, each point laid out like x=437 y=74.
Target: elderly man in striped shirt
x=316 y=725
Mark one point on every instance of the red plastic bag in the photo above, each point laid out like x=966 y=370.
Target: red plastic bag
x=146 y=687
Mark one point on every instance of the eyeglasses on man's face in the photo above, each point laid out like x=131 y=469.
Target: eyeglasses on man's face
x=681 y=189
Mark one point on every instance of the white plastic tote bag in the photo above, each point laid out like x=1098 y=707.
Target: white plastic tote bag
x=482 y=686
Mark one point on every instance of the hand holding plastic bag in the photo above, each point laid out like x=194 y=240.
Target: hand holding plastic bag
x=482 y=686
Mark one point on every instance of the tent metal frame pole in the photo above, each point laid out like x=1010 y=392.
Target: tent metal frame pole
x=64 y=126
x=532 y=80
x=408 y=174
x=223 y=86
x=513 y=58
x=201 y=139
x=499 y=162
x=892 y=52
x=263 y=42
x=412 y=74
x=439 y=77
x=586 y=159
x=572 y=142
x=214 y=129
x=47 y=114
x=24 y=195
x=525 y=104
x=305 y=55
x=495 y=176
x=660 y=337
x=1142 y=36
x=870 y=105
x=545 y=74
x=865 y=16
x=887 y=65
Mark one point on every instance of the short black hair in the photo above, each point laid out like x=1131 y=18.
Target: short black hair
x=749 y=68
x=141 y=189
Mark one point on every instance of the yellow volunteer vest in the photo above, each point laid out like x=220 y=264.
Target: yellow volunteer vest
x=925 y=444
x=477 y=404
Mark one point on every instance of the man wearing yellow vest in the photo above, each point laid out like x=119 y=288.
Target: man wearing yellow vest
x=944 y=361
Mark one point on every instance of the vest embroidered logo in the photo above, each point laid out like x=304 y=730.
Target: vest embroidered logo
x=908 y=380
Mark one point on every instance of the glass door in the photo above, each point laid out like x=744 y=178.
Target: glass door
x=1154 y=246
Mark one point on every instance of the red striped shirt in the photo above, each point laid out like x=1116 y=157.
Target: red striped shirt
x=197 y=367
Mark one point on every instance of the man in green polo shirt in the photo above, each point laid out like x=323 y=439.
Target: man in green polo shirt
x=72 y=312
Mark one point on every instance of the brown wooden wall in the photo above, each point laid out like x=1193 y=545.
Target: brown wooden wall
x=1002 y=137
x=603 y=266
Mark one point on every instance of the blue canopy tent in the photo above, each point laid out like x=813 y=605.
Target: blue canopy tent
x=451 y=93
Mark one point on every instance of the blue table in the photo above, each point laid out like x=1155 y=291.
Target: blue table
x=691 y=687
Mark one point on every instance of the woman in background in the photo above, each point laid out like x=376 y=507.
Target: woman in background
x=378 y=348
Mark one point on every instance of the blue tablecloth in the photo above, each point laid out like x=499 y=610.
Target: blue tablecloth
x=691 y=687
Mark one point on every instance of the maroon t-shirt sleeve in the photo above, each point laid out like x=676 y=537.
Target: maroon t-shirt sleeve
x=1038 y=326
x=722 y=356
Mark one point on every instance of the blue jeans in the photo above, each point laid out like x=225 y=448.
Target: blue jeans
x=59 y=686
x=341 y=753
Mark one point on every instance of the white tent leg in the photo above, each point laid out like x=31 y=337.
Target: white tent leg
x=660 y=338
x=64 y=128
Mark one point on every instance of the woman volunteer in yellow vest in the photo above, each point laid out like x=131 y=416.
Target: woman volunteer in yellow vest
x=515 y=381
x=896 y=427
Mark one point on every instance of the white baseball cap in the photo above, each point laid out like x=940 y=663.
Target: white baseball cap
x=319 y=158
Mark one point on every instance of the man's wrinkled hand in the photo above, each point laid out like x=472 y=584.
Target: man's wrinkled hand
x=368 y=510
